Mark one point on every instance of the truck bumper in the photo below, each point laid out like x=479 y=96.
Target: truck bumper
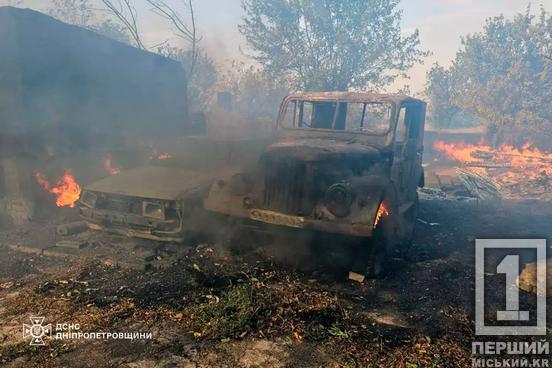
x=300 y=222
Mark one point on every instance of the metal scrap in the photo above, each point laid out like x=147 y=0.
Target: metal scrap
x=479 y=185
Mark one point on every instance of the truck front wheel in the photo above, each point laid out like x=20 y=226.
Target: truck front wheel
x=375 y=264
x=371 y=256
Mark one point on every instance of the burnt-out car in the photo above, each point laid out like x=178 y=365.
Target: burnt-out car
x=152 y=202
x=341 y=162
x=163 y=200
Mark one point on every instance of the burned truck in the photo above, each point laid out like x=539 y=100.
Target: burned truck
x=341 y=162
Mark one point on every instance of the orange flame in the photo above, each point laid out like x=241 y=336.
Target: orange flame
x=108 y=166
x=67 y=191
x=460 y=151
x=508 y=165
x=531 y=161
x=382 y=211
x=164 y=156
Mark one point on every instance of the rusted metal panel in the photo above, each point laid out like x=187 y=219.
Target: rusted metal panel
x=350 y=97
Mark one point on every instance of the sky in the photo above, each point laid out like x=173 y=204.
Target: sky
x=441 y=24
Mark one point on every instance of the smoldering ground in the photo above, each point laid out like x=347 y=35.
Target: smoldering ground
x=208 y=305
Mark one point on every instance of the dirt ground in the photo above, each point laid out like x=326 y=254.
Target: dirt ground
x=283 y=305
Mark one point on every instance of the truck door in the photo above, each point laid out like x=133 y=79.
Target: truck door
x=408 y=148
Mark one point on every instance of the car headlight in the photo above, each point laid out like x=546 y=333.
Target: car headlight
x=89 y=199
x=153 y=210
x=338 y=199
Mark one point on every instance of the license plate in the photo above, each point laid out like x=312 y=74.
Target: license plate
x=276 y=218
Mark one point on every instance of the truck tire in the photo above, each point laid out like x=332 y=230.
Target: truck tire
x=376 y=263
x=371 y=256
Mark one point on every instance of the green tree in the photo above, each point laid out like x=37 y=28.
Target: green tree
x=330 y=44
x=503 y=75
x=439 y=89
x=256 y=95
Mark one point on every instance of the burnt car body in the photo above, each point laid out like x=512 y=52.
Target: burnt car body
x=341 y=162
x=163 y=200
x=151 y=202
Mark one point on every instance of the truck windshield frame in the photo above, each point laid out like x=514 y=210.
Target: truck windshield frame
x=318 y=112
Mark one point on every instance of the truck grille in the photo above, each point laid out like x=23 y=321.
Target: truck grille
x=284 y=188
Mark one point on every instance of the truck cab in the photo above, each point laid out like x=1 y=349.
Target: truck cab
x=340 y=162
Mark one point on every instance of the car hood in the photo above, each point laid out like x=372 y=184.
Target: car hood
x=154 y=182
x=316 y=149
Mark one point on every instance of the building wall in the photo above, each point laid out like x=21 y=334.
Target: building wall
x=75 y=87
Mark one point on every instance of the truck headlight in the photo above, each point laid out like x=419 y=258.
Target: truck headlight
x=153 y=209
x=338 y=199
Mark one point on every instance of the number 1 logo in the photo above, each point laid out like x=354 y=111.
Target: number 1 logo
x=510 y=266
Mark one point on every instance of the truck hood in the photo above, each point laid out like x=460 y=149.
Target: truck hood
x=155 y=182
x=317 y=149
